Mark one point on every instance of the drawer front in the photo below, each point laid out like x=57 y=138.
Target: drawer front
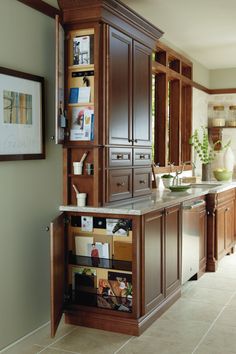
x=142 y=157
x=120 y=157
x=119 y=184
x=142 y=183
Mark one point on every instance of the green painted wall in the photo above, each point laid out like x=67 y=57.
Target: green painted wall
x=223 y=78
x=30 y=191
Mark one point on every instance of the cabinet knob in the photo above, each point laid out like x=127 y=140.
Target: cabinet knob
x=119 y=157
x=135 y=140
x=142 y=157
x=226 y=209
x=120 y=184
x=142 y=181
x=130 y=140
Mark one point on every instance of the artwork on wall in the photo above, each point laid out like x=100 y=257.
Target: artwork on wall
x=21 y=116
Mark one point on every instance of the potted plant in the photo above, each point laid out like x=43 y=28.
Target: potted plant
x=167 y=178
x=205 y=150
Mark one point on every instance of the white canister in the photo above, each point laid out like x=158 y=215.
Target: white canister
x=81 y=199
x=78 y=168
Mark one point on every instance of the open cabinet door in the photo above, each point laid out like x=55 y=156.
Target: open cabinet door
x=57 y=240
x=60 y=116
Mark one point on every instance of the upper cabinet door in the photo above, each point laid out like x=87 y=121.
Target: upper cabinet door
x=57 y=271
x=120 y=88
x=142 y=76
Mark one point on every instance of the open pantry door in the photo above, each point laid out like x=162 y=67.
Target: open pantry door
x=60 y=115
x=57 y=240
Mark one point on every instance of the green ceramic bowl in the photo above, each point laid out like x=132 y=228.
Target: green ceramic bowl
x=180 y=188
x=223 y=175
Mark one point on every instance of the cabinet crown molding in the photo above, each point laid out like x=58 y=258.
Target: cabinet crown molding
x=104 y=11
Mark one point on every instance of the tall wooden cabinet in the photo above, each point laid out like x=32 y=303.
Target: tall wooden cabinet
x=108 y=52
x=118 y=69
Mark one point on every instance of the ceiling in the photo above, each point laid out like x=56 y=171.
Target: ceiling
x=204 y=29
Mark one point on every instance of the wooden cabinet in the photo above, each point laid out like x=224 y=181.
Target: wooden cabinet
x=110 y=52
x=120 y=88
x=172 y=249
x=220 y=226
x=161 y=257
x=202 y=241
x=129 y=112
x=86 y=287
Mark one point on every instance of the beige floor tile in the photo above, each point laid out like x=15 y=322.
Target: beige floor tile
x=148 y=345
x=232 y=303
x=187 y=332
x=205 y=295
x=221 y=339
x=23 y=348
x=40 y=338
x=185 y=309
x=206 y=349
x=227 y=317
x=215 y=281
x=56 y=351
x=89 y=340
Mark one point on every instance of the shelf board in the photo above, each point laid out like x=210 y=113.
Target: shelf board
x=106 y=263
x=82 y=104
x=81 y=176
x=81 y=67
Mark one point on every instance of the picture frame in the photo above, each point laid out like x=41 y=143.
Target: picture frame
x=22 y=135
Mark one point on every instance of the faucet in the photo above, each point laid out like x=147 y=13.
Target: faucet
x=178 y=172
x=189 y=163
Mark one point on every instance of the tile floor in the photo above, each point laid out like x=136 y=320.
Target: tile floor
x=202 y=321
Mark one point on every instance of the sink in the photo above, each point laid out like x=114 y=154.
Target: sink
x=205 y=185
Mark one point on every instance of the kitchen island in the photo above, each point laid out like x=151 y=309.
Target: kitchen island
x=143 y=242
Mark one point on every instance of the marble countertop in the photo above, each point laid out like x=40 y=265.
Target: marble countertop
x=158 y=199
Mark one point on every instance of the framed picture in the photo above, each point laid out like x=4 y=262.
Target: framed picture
x=21 y=116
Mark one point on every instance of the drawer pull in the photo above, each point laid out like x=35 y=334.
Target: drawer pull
x=142 y=181
x=119 y=157
x=120 y=184
x=142 y=157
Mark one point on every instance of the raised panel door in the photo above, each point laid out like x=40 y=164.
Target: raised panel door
x=172 y=249
x=220 y=232
x=229 y=225
x=57 y=246
x=120 y=88
x=153 y=261
x=202 y=240
x=142 y=75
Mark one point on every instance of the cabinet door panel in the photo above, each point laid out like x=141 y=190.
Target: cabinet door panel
x=229 y=225
x=142 y=181
x=153 y=261
x=202 y=241
x=142 y=132
x=57 y=271
x=119 y=184
x=172 y=249
x=220 y=232
x=120 y=71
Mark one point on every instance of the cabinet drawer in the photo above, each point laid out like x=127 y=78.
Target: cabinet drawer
x=142 y=156
x=120 y=157
x=142 y=181
x=119 y=184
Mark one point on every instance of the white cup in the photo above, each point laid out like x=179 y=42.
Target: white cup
x=81 y=199
x=78 y=167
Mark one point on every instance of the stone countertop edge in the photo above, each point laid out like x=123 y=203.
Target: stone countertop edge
x=157 y=200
